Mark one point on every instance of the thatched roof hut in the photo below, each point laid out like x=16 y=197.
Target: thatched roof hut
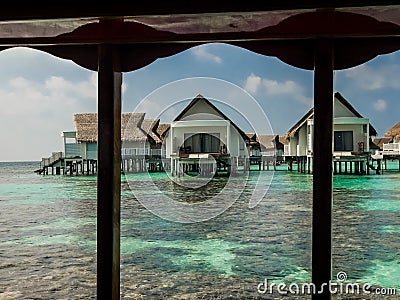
x=86 y=127
x=394 y=132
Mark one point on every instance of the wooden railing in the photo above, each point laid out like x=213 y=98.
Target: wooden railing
x=56 y=156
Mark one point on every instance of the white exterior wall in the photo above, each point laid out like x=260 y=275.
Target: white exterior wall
x=293 y=146
x=310 y=137
x=302 y=141
x=237 y=147
x=176 y=134
x=299 y=143
x=358 y=132
x=227 y=134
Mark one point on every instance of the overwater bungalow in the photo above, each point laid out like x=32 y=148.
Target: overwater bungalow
x=203 y=139
x=141 y=146
x=351 y=141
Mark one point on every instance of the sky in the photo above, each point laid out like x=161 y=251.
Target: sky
x=39 y=93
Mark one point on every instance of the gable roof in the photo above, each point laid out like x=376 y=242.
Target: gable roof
x=199 y=98
x=162 y=129
x=149 y=126
x=292 y=131
x=269 y=141
x=86 y=127
x=131 y=130
x=283 y=140
x=394 y=132
x=251 y=139
x=251 y=136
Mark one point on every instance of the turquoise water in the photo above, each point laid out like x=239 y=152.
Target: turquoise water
x=48 y=237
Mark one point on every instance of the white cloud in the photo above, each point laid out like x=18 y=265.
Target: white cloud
x=255 y=84
x=252 y=83
x=274 y=87
x=202 y=53
x=373 y=78
x=35 y=113
x=380 y=105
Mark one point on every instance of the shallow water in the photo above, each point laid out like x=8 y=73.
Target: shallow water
x=48 y=237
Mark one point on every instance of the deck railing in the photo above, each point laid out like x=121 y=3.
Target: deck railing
x=55 y=156
x=141 y=152
x=391 y=148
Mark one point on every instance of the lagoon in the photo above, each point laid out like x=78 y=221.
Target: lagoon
x=48 y=237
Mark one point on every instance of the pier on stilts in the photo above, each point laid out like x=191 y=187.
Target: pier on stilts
x=141 y=160
x=363 y=164
x=58 y=164
x=205 y=164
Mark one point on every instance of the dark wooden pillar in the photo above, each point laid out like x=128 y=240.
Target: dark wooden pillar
x=322 y=178
x=108 y=175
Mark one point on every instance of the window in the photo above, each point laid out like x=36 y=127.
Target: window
x=202 y=142
x=343 y=140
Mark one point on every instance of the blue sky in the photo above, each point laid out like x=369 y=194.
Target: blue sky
x=39 y=93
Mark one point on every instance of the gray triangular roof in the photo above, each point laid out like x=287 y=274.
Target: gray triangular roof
x=292 y=131
x=199 y=98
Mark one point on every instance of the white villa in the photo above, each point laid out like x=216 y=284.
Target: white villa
x=201 y=138
x=351 y=140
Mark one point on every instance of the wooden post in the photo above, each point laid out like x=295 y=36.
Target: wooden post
x=322 y=178
x=108 y=176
